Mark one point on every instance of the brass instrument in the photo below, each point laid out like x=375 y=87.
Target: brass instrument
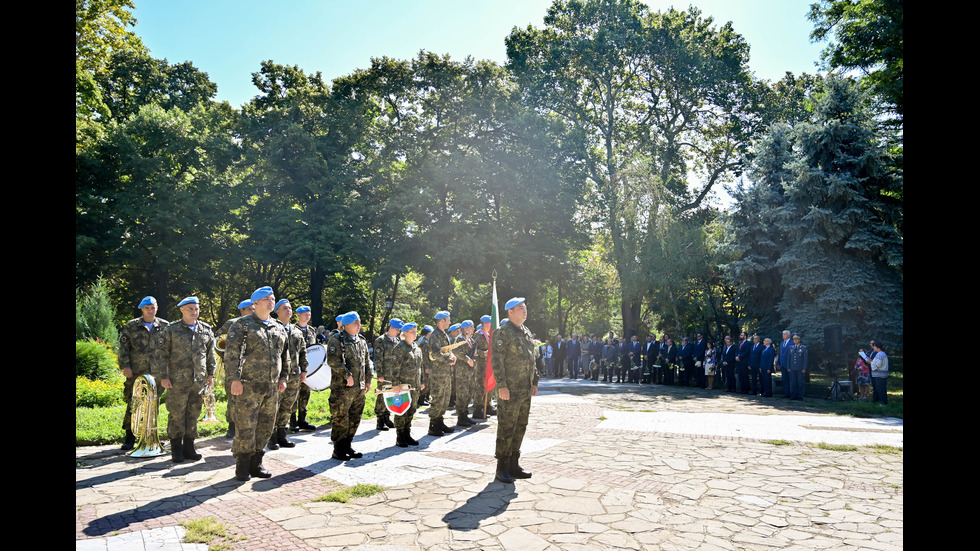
x=210 y=405
x=219 y=345
x=146 y=403
x=449 y=347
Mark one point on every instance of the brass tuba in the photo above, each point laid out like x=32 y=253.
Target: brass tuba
x=219 y=345
x=146 y=403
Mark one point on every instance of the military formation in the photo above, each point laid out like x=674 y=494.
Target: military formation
x=265 y=361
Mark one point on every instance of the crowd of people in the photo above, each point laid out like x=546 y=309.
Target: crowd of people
x=266 y=365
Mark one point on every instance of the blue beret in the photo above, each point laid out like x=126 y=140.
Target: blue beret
x=349 y=318
x=339 y=318
x=485 y=319
x=302 y=309
x=428 y=328
x=244 y=304
x=147 y=301
x=442 y=314
x=396 y=323
x=453 y=327
x=408 y=326
x=280 y=303
x=513 y=302
x=504 y=321
x=261 y=293
x=188 y=300
x=465 y=324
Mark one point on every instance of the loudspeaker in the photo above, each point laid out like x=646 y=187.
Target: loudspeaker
x=832 y=339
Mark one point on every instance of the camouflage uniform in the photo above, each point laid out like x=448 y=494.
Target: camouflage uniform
x=423 y=344
x=186 y=357
x=440 y=375
x=383 y=346
x=221 y=355
x=136 y=350
x=257 y=355
x=514 y=369
x=405 y=368
x=481 y=345
x=347 y=356
x=465 y=389
x=297 y=366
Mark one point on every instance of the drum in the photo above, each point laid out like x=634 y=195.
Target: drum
x=318 y=372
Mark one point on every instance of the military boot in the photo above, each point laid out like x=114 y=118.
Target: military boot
x=242 y=464
x=176 y=450
x=515 y=470
x=302 y=424
x=256 y=468
x=350 y=451
x=339 y=452
x=130 y=441
x=381 y=423
x=462 y=420
x=293 y=425
x=434 y=429
x=400 y=438
x=231 y=430
x=442 y=425
x=282 y=440
x=408 y=437
x=273 y=441
x=189 y=451
x=388 y=421
x=503 y=470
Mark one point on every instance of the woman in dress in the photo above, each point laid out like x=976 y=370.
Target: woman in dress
x=709 y=364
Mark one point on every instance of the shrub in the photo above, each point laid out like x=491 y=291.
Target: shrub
x=95 y=360
x=95 y=317
x=89 y=393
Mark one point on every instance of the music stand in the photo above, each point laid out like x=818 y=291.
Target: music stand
x=837 y=393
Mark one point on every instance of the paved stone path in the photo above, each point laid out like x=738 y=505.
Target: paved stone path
x=614 y=467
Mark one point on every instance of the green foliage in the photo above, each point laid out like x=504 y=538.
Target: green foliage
x=100 y=393
x=95 y=360
x=95 y=317
x=346 y=494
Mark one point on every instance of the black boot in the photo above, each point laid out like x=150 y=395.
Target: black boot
x=491 y=410
x=176 y=450
x=231 y=430
x=388 y=421
x=189 y=451
x=282 y=440
x=339 y=452
x=302 y=424
x=130 y=441
x=407 y=435
x=515 y=470
x=256 y=468
x=293 y=425
x=434 y=429
x=381 y=423
x=478 y=412
x=443 y=427
x=350 y=451
x=462 y=420
x=242 y=464
x=400 y=438
x=503 y=470
x=273 y=441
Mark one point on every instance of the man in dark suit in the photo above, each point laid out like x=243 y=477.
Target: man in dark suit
x=728 y=354
x=686 y=359
x=755 y=361
x=798 y=359
x=766 y=361
x=574 y=356
x=650 y=350
x=700 y=345
x=624 y=360
x=742 y=363
x=636 y=352
x=669 y=353
x=595 y=354
x=784 y=348
x=561 y=351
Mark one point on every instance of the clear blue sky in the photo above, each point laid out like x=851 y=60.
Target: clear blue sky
x=229 y=39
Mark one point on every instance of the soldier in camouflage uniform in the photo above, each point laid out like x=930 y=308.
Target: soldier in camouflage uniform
x=440 y=375
x=257 y=364
x=382 y=349
x=517 y=379
x=298 y=365
x=465 y=366
x=185 y=361
x=244 y=308
x=423 y=344
x=136 y=347
x=350 y=379
x=297 y=420
x=404 y=367
x=481 y=345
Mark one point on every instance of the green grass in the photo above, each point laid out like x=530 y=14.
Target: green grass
x=103 y=425
x=210 y=531
x=864 y=408
x=836 y=447
x=778 y=442
x=346 y=494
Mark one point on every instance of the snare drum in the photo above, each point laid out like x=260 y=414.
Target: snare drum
x=318 y=372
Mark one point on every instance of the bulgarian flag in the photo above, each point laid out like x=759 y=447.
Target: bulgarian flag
x=490 y=382
x=398 y=401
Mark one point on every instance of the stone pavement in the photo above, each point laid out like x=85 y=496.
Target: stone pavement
x=614 y=466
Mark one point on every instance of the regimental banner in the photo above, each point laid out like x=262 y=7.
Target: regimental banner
x=398 y=401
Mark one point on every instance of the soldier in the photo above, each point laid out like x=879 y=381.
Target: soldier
x=257 y=364
x=136 y=343
x=465 y=377
x=244 y=308
x=382 y=349
x=297 y=420
x=423 y=344
x=517 y=379
x=404 y=367
x=481 y=345
x=185 y=360
x=297 y=376
x=350 y=379
x=440 y=374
